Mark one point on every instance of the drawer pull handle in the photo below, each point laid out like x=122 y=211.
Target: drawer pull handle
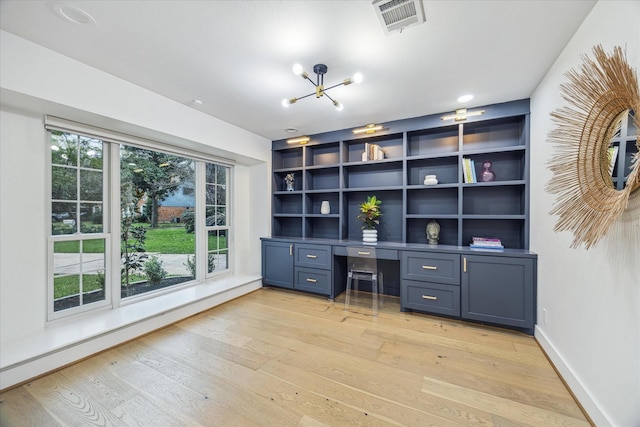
x=311 y=280
x=429 y=267
x=312 y=256
x=431 y=297
x=364 y=253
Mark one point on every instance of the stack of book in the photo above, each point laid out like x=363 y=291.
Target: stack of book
x=486 y=243
x=372 y=152
x=469 y=170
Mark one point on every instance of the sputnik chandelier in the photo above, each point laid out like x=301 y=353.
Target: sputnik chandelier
x=320 y=70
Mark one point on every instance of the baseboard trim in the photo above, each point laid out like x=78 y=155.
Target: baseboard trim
x=580 y=392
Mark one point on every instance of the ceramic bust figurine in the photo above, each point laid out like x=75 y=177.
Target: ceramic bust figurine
x=433 y=232
x=288 y=181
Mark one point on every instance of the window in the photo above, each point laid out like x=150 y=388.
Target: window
x=157 y=220
x=217 y=218
x=78 y=242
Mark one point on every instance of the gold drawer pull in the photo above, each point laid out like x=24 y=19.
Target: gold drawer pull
x=431 y=297
x=312 y=256
x=311 y=280
x=364 y=253
x=429 y=267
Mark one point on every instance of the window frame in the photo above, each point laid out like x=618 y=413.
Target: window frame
x=112 y=141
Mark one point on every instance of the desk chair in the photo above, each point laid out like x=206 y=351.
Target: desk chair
x=362 y=264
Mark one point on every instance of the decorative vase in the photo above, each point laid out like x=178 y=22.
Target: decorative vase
x=487 y=173
x=325 y=208
x=369 y=235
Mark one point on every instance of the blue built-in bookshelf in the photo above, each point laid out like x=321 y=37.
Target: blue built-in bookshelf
x=331 y=167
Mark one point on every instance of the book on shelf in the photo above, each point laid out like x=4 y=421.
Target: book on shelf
x=469 y=170
x=612 y=152
x=486 y=243
x=372 y=152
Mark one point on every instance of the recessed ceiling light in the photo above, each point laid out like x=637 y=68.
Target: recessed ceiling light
x=74 y=14
x=465 y=98
x=291 y=130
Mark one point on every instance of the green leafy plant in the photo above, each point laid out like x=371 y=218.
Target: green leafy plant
x=370 y=212
x=191 y=264
x=132 y=249
x=154 y=271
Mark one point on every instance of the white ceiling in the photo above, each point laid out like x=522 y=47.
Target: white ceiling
x=236 y=56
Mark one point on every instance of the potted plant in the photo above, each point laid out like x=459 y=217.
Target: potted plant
x=369 y=214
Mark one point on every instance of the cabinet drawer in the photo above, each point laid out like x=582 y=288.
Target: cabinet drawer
x=379 y=253
x=430 y=266
x=312 y=280
x=316 y=256
x=430 y=297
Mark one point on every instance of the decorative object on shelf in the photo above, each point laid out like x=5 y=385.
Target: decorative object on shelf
x=369 y=214
x=370 y=236
x=461 y=115
x=289 y=179
x=433 y=232
x=469 y=170
x=487 y=173
x=588 y=205
x=325 y=208
x=430 y=180
x=320 y=70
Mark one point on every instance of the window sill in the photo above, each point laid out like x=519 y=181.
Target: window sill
x=64 y=342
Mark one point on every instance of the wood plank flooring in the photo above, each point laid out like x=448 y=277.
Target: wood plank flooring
x=278 y=358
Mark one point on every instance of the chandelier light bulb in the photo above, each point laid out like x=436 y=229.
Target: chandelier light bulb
x=338 y=106
x=298 y=70
x=285 y=102
x=357 y=78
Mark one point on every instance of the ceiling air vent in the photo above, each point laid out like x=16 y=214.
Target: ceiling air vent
x=395 y=15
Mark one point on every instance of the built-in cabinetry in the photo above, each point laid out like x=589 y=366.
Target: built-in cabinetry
x=308 y=248
x=330 y=168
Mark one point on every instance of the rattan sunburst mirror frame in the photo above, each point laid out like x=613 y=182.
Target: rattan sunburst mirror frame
x=599 y=95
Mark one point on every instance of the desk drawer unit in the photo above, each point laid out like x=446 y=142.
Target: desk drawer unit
x=314 y=256
x=380 y=253
x=431 y=266
x=431 y=297
x=312 y=280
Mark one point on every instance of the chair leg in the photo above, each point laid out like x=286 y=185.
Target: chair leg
x=347 y=298
x=374 y=293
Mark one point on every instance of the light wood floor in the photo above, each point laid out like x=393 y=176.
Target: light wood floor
x=278 y=358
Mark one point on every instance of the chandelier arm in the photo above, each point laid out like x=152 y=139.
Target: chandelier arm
x=330 y=99
x=307 y=78
x=303 y=97
x=336 y=85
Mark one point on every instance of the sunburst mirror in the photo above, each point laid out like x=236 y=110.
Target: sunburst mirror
x=599 y=96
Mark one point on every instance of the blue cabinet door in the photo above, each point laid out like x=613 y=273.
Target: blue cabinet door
x=499 y=290
x=277 y=264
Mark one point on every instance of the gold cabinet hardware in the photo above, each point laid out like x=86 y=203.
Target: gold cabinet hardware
x=311 y=280
x=290 y=250
x=312 y=256
x=431 y=297
x=364 y=253
x=464 y=264
x=429 y=267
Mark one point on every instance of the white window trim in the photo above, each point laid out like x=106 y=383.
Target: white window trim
x=111 y=226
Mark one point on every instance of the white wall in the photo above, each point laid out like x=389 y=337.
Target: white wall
x=592 y=301
x=36 y=81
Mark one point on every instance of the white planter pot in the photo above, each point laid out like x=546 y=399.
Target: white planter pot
x=325 y=208
x=369 y=236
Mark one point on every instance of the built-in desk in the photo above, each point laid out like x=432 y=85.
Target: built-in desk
x=488 y=286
